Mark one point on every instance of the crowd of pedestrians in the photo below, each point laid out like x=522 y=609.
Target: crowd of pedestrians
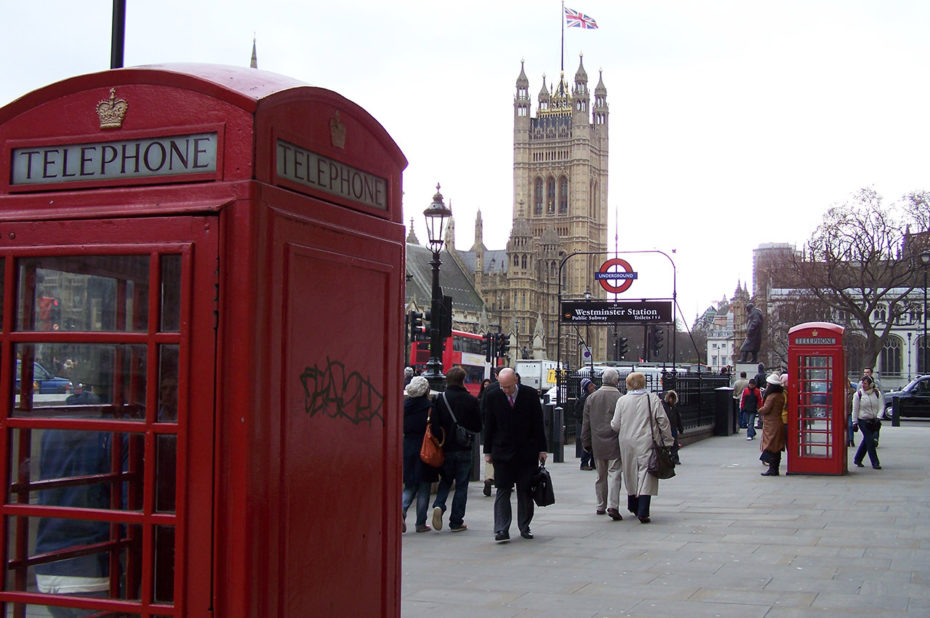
x=617 y=434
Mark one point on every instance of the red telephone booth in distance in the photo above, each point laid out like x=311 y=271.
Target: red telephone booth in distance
x=208 y=233
x=817 y=399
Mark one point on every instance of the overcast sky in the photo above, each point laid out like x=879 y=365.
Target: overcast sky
x=732 y=122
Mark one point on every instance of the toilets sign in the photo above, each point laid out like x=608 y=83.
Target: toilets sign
x=615 y=270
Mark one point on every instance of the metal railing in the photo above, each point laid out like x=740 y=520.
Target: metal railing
x=696 y=396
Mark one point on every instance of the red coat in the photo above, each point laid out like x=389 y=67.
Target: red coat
x=747 y=393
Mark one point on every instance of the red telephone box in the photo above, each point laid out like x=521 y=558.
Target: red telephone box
x=201 y=296
x=817 y=399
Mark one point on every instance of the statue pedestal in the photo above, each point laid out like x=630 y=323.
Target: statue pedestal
x=751 y=370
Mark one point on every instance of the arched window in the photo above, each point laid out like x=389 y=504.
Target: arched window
x=890 y=357
x=563 y=195
x=550 y=196
x=921 y=353
x=592 y=204
x=538 y=197
x=523 y=265
x=880 y=314
x=854 y=345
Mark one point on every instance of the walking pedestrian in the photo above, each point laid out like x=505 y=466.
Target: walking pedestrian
x=515 y=442
x=749 y=404
x=417 y=475
x=639 y=419
x=587 y=387
x=598 y=439
x=486 y=386
x=455 y=407
x=738 y=387
x=867 y=404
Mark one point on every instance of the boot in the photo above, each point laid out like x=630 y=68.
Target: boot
x=772 y=471
x=487 y=487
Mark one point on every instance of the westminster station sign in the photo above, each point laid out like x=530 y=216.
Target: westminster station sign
x=620 y=312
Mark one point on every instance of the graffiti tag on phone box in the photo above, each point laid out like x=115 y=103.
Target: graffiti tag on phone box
x=335 y=393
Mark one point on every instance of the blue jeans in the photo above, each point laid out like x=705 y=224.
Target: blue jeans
x=866 y=445
x=457 y=467
x=422 y=493
x=750 y=424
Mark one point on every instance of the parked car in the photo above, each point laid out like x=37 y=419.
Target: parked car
x=43 y=381
x=913 y=399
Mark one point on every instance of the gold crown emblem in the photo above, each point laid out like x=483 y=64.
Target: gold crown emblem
x=337 y=131
x=111 y=111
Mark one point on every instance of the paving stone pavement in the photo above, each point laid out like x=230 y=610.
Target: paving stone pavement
x=724 y=541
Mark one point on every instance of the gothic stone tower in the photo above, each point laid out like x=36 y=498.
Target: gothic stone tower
x=559 y=206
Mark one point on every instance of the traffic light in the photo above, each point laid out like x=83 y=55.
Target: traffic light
x=489 y=341
x=503 y=344
x=655 y=338
x=417 y=330
x=622 y=347
x=427 y=324
x=445 y=318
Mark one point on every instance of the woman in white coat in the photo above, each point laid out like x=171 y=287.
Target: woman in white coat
x=637 y=417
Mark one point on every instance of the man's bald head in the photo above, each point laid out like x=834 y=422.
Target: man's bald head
x=507 y=380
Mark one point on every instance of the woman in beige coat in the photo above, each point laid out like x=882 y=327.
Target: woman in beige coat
x=638 y=417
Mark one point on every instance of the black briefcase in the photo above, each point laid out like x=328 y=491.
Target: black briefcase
x=542 y=487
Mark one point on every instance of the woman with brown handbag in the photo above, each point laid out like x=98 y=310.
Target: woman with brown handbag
x=417 y=475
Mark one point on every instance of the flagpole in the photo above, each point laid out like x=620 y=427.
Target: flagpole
x=562 y=18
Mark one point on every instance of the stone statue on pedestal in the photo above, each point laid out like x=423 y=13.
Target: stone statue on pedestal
x=749 y=351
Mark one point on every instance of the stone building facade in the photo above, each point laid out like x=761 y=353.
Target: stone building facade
x=560 y=157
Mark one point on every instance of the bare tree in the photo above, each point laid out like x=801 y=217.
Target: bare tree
x=917 y=207
x=854 y=263
x=799 y=307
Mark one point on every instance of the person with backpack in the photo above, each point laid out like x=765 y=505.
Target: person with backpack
x=868 y=403
x=749 y=404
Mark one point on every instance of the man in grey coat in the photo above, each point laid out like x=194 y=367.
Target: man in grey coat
x=598 y=438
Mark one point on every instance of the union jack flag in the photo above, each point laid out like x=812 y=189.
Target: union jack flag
x=574 y=19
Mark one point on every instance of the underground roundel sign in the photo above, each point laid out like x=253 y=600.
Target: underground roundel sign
x=613 y=271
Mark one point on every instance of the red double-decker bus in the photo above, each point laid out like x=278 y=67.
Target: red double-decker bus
x=464 y=349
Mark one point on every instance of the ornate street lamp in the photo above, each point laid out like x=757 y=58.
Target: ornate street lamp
x=435 y=215
x=925 y=261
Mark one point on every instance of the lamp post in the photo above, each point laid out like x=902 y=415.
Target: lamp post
x=587 y=333
x=435 y=215
x=925 y=261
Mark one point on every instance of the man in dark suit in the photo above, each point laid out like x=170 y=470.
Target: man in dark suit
x=515 y=442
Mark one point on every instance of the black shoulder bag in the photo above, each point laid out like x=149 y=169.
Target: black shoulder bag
x=464 y=437
x=661 y=462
